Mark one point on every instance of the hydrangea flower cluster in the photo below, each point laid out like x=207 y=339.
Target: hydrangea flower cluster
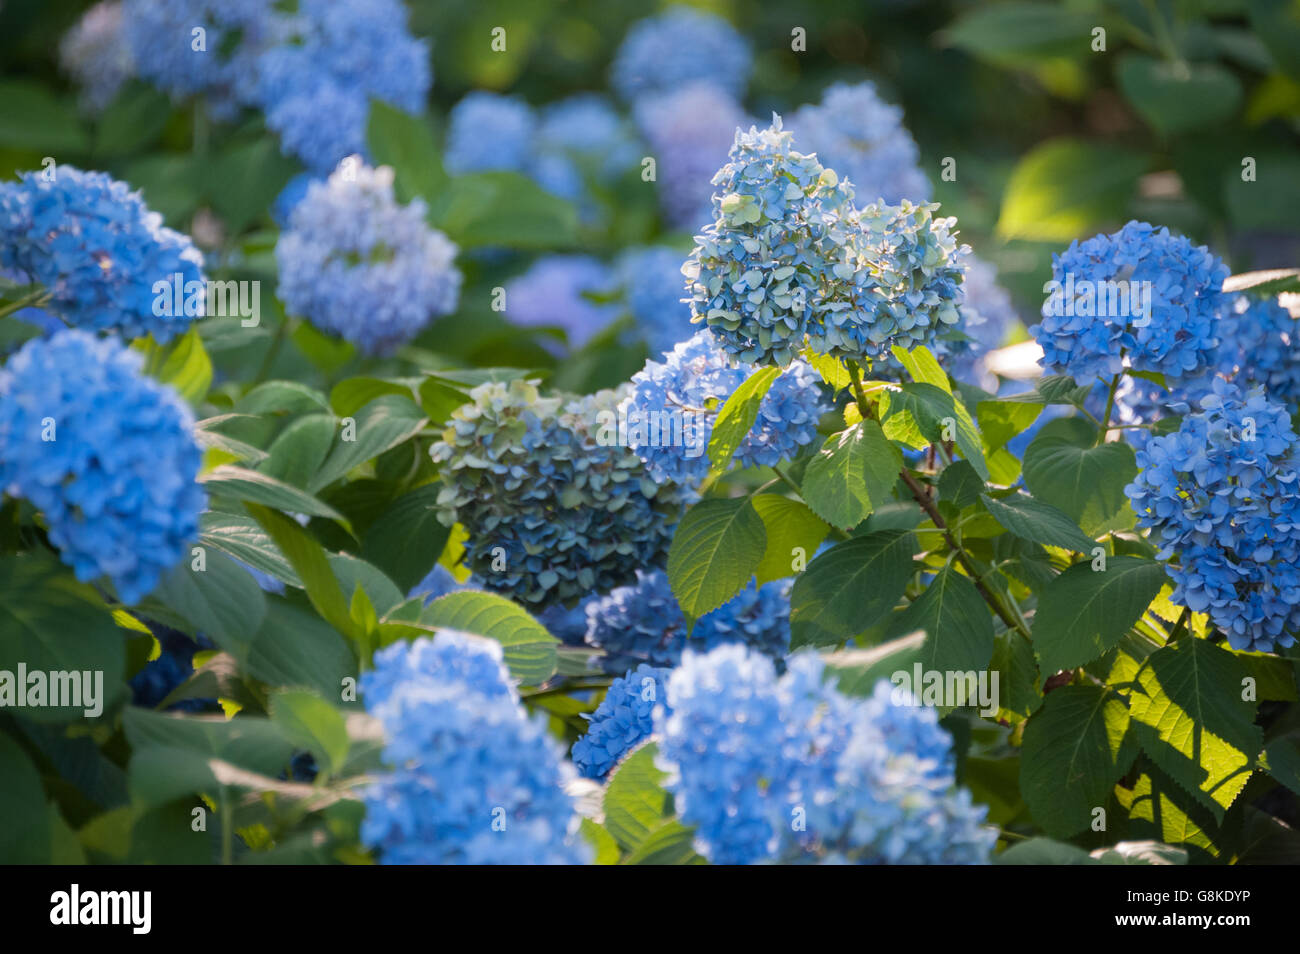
x=316 y=86
x=581 y=137
x=862 y=138
x=748 y=753
x=678 y=47
x=1080 y=337
x=540 y=485
x=96 y=246
x=359 y=265
x=1221 y=496
x=643 y=623
x=173 y=667
x=94 y=53
x=489 y=131
x=689 y=388
x=559 y=291
x=221 y=63
x=689 y=131
x=1258 y=347
x=624 y=717
x=789 y=261
x=107 y=455
x=987 y=316
x=651 y=278
x=474 y=779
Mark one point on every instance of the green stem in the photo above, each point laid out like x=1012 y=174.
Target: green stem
x=35 y=299
x=1110 y=406
x=272 y=351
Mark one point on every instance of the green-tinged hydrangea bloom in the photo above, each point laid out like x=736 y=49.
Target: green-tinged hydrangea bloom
x=554 y=507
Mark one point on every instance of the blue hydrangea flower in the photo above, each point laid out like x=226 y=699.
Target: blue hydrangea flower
x=791 y=769
x=674 y=404
x=678 y=47
x=94 y=53
x=559 y=291
x=789 y=261
x=1220 y=497
x=474 y=780
x=173 y=667
x=987 y=319
x=580 y=138
x=642 y=623
x=1186 y=299
x=96 y=246
x=653 y=288
x=862 y=138
x=689 y=131
x=290 y=196
x=221 y=63
x=624 y=717
x=357 y=264
x=317 y=84
x=106 y=454
x=554 y=507
x=489 y=131
x=1258 y=341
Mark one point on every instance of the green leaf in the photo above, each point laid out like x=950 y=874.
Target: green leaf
x=52 y=623
x=849 y=587
x=1066 y=187
x=830 y=367
x=222 y=601
x=406 y=540
x=1283 y=758
x=1177 y=96
x=312 y=723
x=1022 y=34
x=239 y=536
x=382 y=424
x=956 y=622
x=296 y=648
x=1160 y=809
x=1192 y=721
x=852 y=475
x=1085 y=482
x=351 y=395
x=1277 y=24
x=188 y=368
x=1044 y=851
x=253 y=487
x=25 y=835
x=737 y=417
x=716 y=549
x=1038 y=522
x=1001 y=421
x=34 y=118
x=922 y=366
x=1085 y=612
x=671 y=843
x=790 y=527
x=959 y=485
x=939 y=415
x=308 y=559
x=1013 y=660
x=296 y=454
x=503 y=209
x=1075 y=749
x=529 y=648
x=405 y=142
x=635 y=803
